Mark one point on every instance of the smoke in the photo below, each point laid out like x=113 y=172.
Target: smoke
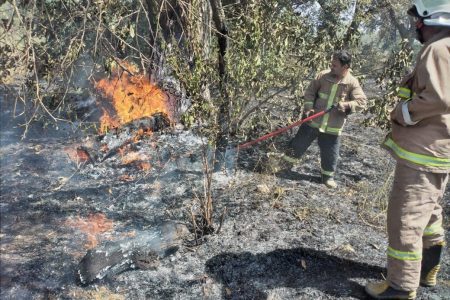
x=81 y=71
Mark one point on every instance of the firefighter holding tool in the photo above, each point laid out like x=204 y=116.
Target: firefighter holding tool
x=338 y=87
x=420 y=143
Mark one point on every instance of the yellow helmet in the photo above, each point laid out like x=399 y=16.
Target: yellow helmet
x=434 y=12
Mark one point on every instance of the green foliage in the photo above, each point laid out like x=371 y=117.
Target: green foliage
x=262 y=56
x=273 y=45
x=50 y=42
x=196 y=70
x=389 y=81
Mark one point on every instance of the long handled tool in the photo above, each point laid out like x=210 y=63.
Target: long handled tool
x=231 y=153
x=281 y=130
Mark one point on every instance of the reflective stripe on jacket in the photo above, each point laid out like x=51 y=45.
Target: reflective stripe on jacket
x=420 y=136
x=326 y=90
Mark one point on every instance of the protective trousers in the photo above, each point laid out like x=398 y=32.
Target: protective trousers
x=414 y=223
x=328 y=144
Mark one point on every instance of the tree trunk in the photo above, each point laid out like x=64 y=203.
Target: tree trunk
x=353 y=28
x=152 y=9
x=165 y=22
x=404 y=32
x=330 y=17
x=222 y=34
x=218 y=16
x=205 y=35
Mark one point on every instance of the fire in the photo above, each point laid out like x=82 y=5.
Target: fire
x=122 y=151
x=140 y=134
x=78 y=155
x=131 y=157
x=92 y=226
x=133 y=96
x=83 y=155
x=141 y=160
x=107 y=122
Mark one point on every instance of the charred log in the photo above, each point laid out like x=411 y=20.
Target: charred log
x=218 y=16
x=143 y=251
x=156 y=122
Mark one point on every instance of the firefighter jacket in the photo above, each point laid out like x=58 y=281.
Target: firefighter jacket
x=326 y=90
x=420 y=136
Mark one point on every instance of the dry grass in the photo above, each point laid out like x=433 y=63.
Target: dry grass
x=373 y=202
x=303 y=213
x=100 y=293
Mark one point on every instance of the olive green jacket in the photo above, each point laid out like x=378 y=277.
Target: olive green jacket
x=326 y=90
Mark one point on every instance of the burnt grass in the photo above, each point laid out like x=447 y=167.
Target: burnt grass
x=284 y=235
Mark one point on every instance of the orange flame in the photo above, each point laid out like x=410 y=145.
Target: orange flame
x=140 y=134
x=107 y=122
x=92 y=226
x=133 y=97
x=141 y=160
x=82 y=154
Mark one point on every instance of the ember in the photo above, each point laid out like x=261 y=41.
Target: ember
x=126 y=177
x=107 y=122
x=132 y=157
x=83 y=155
x=79 y=155
x=104 y=148
x=92 y=226
x=144 y=166
x=133 y=97
x=143 y=251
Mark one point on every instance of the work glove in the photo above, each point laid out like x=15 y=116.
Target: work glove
x=297 y=112
x=344 y=107
x=308 y=113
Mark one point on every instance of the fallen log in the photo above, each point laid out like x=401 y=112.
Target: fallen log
x=143 y=251
x=156 y=122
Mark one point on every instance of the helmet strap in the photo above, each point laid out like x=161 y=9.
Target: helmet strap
x=419 y=23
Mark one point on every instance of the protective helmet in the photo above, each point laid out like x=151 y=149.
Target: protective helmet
x=434 y=12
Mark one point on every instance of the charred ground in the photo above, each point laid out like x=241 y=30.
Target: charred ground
x=284 y=235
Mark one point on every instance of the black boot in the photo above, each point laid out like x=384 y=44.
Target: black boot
x=431 y=258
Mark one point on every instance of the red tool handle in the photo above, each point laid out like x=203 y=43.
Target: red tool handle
x=281 y=130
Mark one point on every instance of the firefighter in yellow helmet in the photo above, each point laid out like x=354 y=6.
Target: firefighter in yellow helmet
x=420 y=142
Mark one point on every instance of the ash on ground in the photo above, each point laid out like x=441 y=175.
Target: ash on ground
x=284 y=234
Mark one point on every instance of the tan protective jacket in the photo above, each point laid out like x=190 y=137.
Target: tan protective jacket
x=420 y=136
x=326 y=90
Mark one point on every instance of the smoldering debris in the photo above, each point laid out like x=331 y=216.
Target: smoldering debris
x=285 y=236
x=142 y=251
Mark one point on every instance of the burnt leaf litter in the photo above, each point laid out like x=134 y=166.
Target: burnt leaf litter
x=85 y=216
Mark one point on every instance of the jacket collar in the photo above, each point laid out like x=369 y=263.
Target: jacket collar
x=437 y=37
x=346 y=80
